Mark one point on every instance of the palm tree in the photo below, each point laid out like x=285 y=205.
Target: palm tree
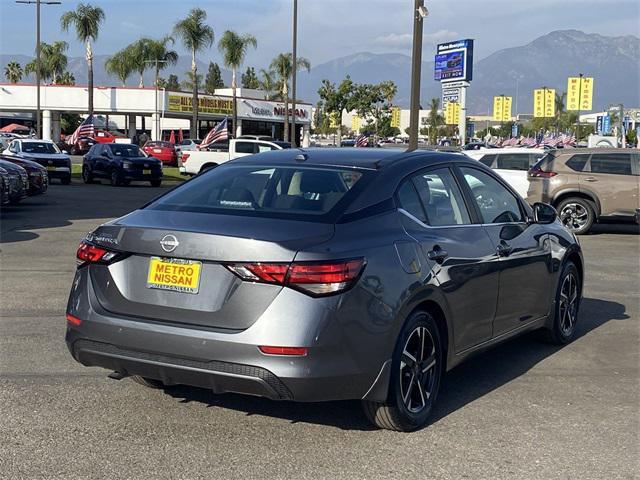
x=13 y=72
x=196 y=35
x=269 y=84
x=86 y=20
x=434 y=120
x=160 y=56
x=66 y=78
x=54 y=58
x=282 y=65
x=189 y=84
x=234 y=48
x=120 y=64
x=139 y=53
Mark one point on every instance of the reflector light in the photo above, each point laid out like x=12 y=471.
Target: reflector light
x=73 y=320
x=290 y=351
x=185 y=157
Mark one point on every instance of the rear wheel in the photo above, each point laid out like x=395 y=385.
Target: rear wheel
x=577 y=214
x=147 y=382
x=207 y=166
x=115 y=178
x=415 y=377
x=567 y=305
x=87 y=176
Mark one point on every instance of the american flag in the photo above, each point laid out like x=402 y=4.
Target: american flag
x=220 y=132
x=361 y=141
x=86 y=129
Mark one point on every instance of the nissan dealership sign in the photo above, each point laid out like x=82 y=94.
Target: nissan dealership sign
x=269 y=111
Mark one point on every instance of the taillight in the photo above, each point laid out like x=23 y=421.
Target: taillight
x=539 y=173
x=314 y=278
x=185 y=157
x=291 y=351
x=73 y=320
x=88 y=253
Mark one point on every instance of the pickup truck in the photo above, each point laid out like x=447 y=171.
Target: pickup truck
x=195 y=162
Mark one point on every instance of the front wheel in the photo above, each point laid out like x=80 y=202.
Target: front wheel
x=65 y=180
x=87 y=176
x=156 y=183
x=567 y=305
x=116 y=180
x=417 y=368
x=577 y=214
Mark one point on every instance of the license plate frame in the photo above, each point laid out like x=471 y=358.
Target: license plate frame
x=146 y=171
x=169 y=268
x=51 y=168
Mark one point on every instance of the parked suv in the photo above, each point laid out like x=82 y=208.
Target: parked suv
x=587 y=185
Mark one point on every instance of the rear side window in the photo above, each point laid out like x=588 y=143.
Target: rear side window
x=284 y=192
x=577 y=162
x=487 y=160
x=614 y=163
x=410 y=201
x=513 y=161
x=245 y=147
x=441 y=198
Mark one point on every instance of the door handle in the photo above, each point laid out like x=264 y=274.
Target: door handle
x=590 y=179
x=504 y=249
x=437 y=254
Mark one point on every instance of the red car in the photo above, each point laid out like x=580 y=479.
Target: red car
x=163 y=151
x=103 y=136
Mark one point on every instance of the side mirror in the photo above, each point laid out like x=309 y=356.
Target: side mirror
x=65 y=151
x=544 y=213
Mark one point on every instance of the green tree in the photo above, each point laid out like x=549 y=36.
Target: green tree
x=86 y=20
x=196 y=36
x=161 y=83
x=53 y=61
x=69 y=122
x=250 y=79
x=159 y=55
x=337 y=98
x=172 y=83
x=189 y=84
x=213 y=80
x=283 y=67
x=66 y=78
x=120 y=65
x=13 y=72
x=234 y=50
x=434 y=120
x=269 y=84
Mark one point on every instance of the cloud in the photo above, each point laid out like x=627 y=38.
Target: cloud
x=403 y=41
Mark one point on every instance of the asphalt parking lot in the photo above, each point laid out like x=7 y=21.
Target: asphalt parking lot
x=524 y=410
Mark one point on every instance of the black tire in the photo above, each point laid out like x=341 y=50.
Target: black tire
x=147 y=382
x=65 y=180
x=87 y=176
x=156 y=183
x=568 y=295
x=116 y=179
x=577 y=214
x=399 y=412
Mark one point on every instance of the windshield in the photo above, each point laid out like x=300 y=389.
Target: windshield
x=126 y=150
x=285 y=192
x=39 y=147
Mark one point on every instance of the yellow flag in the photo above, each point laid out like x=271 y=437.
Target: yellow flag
x=580 y=93
x=544 y=101
x=334 y=120
x=395 y=117
x=502 y=108
x=452 y=113
x=355 y=123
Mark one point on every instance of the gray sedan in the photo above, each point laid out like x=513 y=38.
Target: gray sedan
x=327 y=274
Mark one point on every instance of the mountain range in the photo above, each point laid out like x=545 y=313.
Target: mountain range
x=516 y=71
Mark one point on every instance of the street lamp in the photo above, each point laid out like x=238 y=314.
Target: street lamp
x=420 y=12
x=157 y=63
x=294 y=60
x=38 y=61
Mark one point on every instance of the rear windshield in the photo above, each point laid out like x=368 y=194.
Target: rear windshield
x=125 y=150
x=39 y=147
x=159 y=144
x=262 y=191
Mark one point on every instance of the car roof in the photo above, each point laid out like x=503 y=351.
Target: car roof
x=494 y=151
x=588 y=151
x=34 y=140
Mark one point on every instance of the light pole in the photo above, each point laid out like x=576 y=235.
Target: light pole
x=38 y=61
x=419 y=13
x=294 y=60
x=157 y=63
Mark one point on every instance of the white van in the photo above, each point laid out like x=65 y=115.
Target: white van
x=512 y=164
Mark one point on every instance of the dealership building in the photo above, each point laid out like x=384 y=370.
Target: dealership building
x=156 y=111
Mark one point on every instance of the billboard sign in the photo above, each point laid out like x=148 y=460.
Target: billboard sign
x=454 y=61
x=599 y=124
x=606 y=124
x=450 y=95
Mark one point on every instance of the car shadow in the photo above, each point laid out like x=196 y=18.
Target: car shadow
x=466 y=383
x=615 y=228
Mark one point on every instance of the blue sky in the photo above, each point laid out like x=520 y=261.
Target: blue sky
x=328 y=28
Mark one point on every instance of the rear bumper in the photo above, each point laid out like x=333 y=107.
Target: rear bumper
x=336 y=367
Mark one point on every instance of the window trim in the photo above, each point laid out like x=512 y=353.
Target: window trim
x=609 y=173
x=468 y=194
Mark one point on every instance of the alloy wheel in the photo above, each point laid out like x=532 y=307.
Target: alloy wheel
x=574 y=216
x=418 y=370
x=568 y=304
